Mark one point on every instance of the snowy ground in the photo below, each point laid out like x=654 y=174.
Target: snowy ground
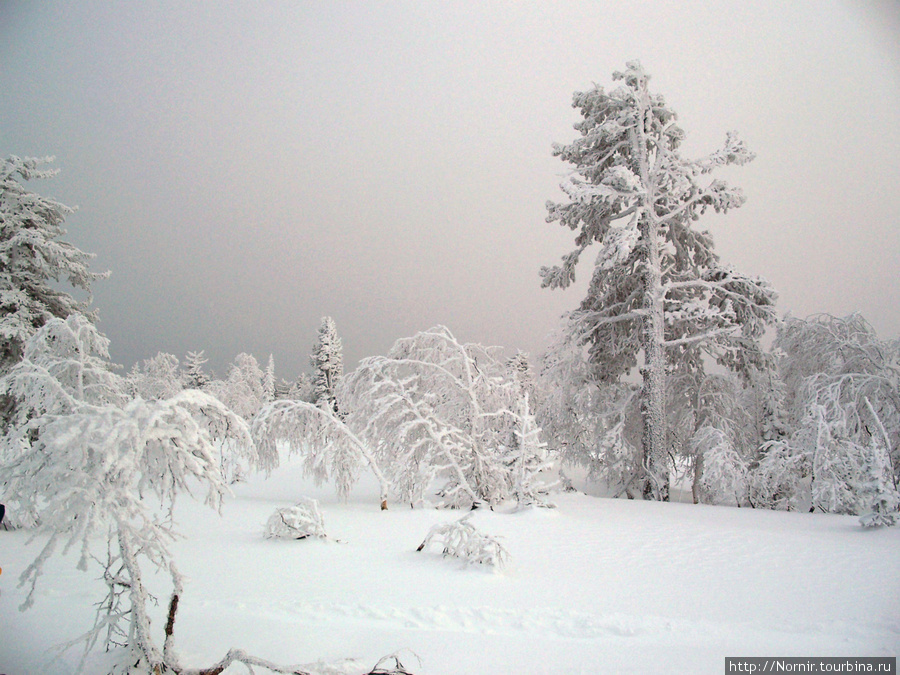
x=594 y=586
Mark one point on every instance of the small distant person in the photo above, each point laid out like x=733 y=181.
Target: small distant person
x=2 y=513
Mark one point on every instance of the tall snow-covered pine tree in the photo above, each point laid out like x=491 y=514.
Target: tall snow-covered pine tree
x=658 y=288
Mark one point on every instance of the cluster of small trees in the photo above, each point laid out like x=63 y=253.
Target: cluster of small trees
x=812 y=423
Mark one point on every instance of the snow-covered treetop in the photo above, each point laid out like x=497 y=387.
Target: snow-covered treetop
x=157 y=377
x=613 y=180
x=194 y=376
x=244 y=390
x=634 y=195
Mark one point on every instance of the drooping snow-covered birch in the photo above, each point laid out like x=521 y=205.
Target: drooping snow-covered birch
x=87 y=463
x=330 y=449
x=444 y=414
x=658 y=289
x=842 y=397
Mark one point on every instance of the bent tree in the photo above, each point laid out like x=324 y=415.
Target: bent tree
x=658 y=289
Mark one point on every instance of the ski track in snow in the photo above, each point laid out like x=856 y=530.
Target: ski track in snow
x=541 y=622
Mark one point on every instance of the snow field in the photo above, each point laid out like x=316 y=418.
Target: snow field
x=594 y=586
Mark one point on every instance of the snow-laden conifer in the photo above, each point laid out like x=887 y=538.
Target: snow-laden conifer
x=194 y=376
x=879 y=499
x=34 y=258
x=528 y=458
x=269 y=383
x=658 y=290
x=327 y=361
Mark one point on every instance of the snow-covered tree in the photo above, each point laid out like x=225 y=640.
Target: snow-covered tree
x=194 y=375
x=591 y=423
x=879 y=499
x=327 y=360
x=269 y=383
x=302 y=389
x=520 y=370
x=90 y=462
x=33 y=259
x=156 y=378
x=65 y=366
x=722 y=477
x=777 y=477
x=441 y=414
x=244 y=390
x=528 y=457
x=842 y=395
x=330 y=449
x=658 y=288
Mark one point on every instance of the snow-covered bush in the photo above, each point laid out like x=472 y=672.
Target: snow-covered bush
x=460 y=539
x=300 y=521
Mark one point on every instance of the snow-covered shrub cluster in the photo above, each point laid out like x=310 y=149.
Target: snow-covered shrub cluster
x=300 y=521
x=461 y=539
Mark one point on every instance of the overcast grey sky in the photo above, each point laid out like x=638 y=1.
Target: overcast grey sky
x=245 y=168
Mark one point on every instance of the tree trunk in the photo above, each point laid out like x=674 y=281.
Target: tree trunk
x=653 y=395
